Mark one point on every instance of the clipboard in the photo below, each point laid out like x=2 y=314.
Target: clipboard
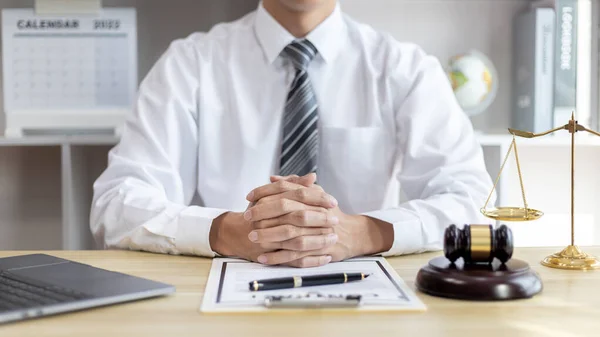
x=227 y=288
x=313 y=300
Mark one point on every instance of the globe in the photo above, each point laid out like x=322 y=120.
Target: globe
x=474 y=81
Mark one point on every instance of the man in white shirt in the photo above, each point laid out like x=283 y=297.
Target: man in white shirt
x=230 y=126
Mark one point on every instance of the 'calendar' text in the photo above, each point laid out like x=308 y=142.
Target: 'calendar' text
x=48 y=24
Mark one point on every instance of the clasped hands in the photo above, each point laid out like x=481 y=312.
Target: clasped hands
x=294 y=222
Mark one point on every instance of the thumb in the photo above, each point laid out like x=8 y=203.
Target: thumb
x=306 y=180
x=286 y=178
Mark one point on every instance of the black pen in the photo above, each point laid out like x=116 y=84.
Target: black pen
x=305 y=281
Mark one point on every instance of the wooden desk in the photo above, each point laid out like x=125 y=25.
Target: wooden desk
x=568 y=306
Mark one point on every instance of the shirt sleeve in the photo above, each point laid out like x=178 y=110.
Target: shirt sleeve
x=141 y=201
x=442 y=172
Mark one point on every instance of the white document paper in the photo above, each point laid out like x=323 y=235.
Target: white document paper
x=227 y=289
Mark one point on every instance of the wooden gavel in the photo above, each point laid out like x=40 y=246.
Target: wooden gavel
x=478 y=243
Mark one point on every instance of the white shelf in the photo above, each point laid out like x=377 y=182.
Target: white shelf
x=59 y=140
x=484 y=140
x=581 y=139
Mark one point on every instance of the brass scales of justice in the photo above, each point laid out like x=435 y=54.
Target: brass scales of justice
x=572 y=257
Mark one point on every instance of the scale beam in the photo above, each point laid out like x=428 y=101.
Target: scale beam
x=527 y=134
x=588 y=130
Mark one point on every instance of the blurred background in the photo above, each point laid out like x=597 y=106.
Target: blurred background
x=512 y=63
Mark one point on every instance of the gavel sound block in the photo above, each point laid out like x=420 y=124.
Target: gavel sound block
x=477 y=265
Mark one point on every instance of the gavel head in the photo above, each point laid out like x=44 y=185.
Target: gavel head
x=478 y=243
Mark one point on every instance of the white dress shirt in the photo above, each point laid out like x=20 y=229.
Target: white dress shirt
x=206 y=130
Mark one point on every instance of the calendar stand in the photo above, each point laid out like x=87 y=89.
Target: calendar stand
x=64 y=123
x=67 y=7
x=70 y=68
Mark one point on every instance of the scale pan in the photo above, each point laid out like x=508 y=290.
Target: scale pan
x=512 y=213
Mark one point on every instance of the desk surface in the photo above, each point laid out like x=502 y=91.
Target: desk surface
x=568 y=306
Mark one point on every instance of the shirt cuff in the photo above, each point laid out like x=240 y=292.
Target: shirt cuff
x=408 y=230
x=193 y=230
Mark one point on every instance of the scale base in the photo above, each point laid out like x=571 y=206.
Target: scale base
x=572 y=258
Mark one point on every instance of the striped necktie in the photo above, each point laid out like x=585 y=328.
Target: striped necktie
x=300 y=132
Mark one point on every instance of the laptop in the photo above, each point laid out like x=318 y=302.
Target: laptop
x=38 y=285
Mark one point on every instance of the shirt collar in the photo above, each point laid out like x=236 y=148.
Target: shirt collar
x=327 y=37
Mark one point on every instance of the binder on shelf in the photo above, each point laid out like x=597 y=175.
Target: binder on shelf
x=533 y=72
x=573 y=60
x=565 y=94
x=582 y=26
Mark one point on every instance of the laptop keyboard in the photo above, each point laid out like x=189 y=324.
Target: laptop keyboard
x=18 y=293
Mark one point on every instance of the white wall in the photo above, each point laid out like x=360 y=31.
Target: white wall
x=449 y=27
x=546 y=173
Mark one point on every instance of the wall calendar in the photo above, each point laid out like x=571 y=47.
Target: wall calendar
x=68 y=74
